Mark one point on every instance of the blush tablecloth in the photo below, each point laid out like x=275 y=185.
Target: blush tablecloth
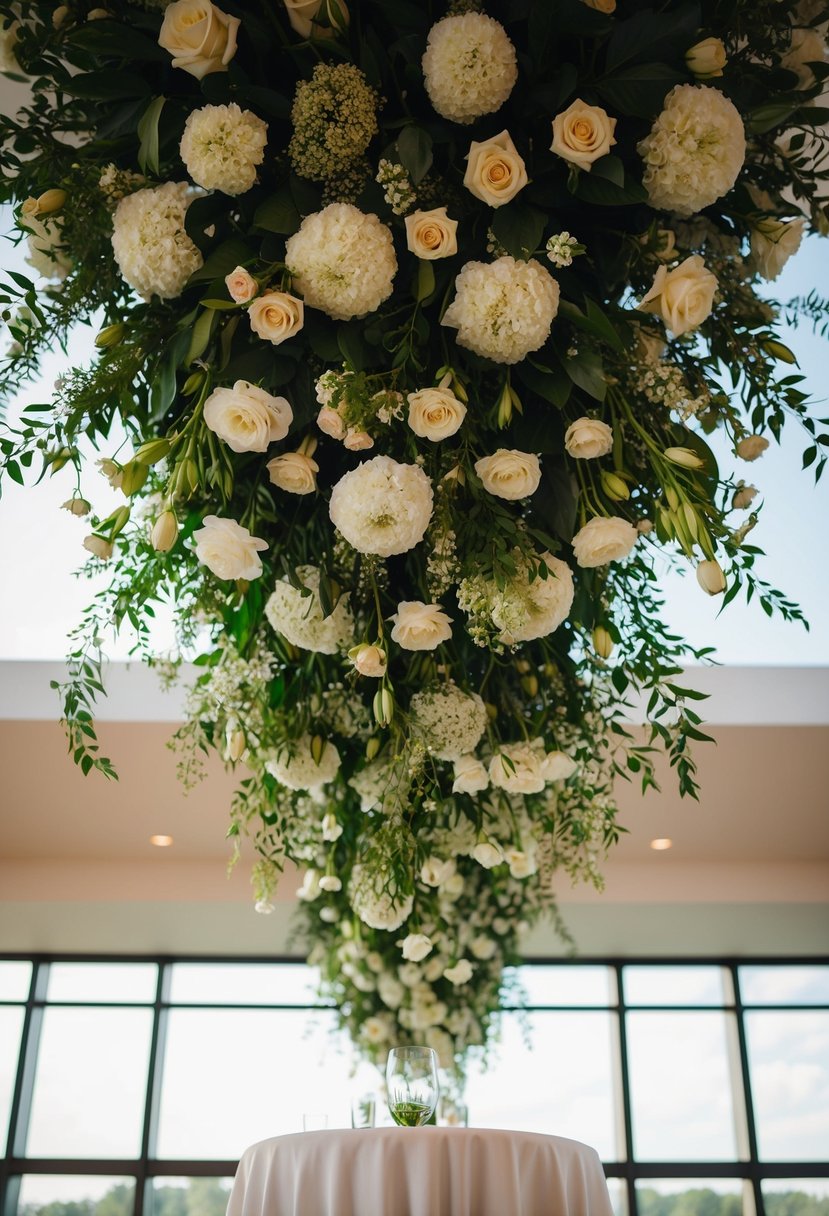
x=419 y=1171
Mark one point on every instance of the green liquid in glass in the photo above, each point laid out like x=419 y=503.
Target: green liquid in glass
x=410 y=1114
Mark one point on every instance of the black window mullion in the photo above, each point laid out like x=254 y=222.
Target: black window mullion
x=742 y=1041
x=149 y=1132
x=625 y=1078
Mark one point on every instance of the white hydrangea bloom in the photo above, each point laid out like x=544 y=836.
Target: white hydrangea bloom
x=695 y=150
x=154 y=253
x=371 y=784
x=342 y=261
x=525 y=608
x=298 y=770
x=373 y=902
x=503 y=310
x=47 y=254
x=469 y=66
x=382 y=507
x=222 y=146
x=449 y=721
x=300 y=618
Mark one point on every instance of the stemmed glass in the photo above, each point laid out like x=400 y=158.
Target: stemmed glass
x=412 y=1085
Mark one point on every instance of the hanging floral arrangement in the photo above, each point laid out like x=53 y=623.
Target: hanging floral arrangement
x=413 y=321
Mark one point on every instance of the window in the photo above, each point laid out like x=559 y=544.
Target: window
x=129 y=1087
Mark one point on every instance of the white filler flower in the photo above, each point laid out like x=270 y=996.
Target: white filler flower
x=469 y=66
x=373 y=901
x=222 y=146
x=154 y=253
x=300 y=619
x=342 y=261
x=503 y=310
x=695 y=150
x=449 y=721
x=382 y=507
x=297 y=769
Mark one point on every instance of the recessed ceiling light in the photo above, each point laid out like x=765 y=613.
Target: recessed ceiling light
x=661 y=842
x=162 y=842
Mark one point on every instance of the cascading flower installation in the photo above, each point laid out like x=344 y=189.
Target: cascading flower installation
x=413 y=323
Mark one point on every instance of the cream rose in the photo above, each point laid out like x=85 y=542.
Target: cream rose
x=588 y=438
x=330 y=423
x=682 y=297
x=461 y=973
x=487 y=854
x=199 y=36
x=369 y=659
x=773 y=242
x=521 y=864
x=509 y=474
x=276 y=316
x=415 y=947
x=431 y=234
x=752 y=447
x=471 y=776
x=241 y=285
x=582 y=134
x=302 y=14
x=419 y=626
x=603 y=540
x=517 y=769
x=494 y=170
x=435 y=413
x=706 y=59
x=357 y=441
x=294 y=472
x=246 y=417
x=228 y=549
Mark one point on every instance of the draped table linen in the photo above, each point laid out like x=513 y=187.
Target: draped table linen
x=422 y=1171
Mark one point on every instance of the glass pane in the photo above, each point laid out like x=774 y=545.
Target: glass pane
x=691 y=1197
x=268 y=1067
x=546 y=984
x=15 y=978
x=115 y=982
x=244 y=984
x=87 y=1195
x=784 y=985
x=90 y=1083
x=680 y=1087
x=199 y=1196
x=562 y=1084
x=11 y=1024
x=803 y=1196
x=618 y=1196
x=673 y=985
x=789 y=1061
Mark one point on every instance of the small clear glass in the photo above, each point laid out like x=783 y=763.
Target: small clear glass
x=314 y=1121
x=363 y=1110
x=412 y=1085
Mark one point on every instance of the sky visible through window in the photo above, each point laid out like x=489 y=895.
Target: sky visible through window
x=40 y=545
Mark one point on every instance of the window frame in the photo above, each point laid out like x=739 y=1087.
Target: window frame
x=148 y=1166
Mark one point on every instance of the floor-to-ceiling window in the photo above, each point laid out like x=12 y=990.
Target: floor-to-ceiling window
x=130 y=1086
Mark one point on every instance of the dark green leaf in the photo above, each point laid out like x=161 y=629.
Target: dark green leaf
x=278 y=214
x=148 y=134
x=414 y=147
x=519 y=228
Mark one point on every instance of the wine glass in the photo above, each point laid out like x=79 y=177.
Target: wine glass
x=412 y=1085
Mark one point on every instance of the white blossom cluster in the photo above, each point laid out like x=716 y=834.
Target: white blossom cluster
x=342 y=261
x=153 y=251
x=398 y=190
x=300 y=619
x=694 y=151
x=503 y=310
x=222 y=147
x=297 y=767
x=524 y=608
x=449 y=721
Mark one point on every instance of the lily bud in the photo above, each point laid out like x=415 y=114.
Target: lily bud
x=530 y=685
x=50 y=200
x=59 y=16
x=133 y=476
x=684 y=457
x=77 y=505
x=383 y=706
x=153 y=451
x=193 y=382
x=165 y=531
x=111 y=335
x=706 y=59
x=118 y=521
x=457 y=474
x=58 y=459
x=504 y=407
x=614 y=487
x=602 y=642
x=372 y=747
x=778 y=350
x=235 y=745
x=317 y=748
x=98 y=546
x=28 y=206
x=711 y=578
